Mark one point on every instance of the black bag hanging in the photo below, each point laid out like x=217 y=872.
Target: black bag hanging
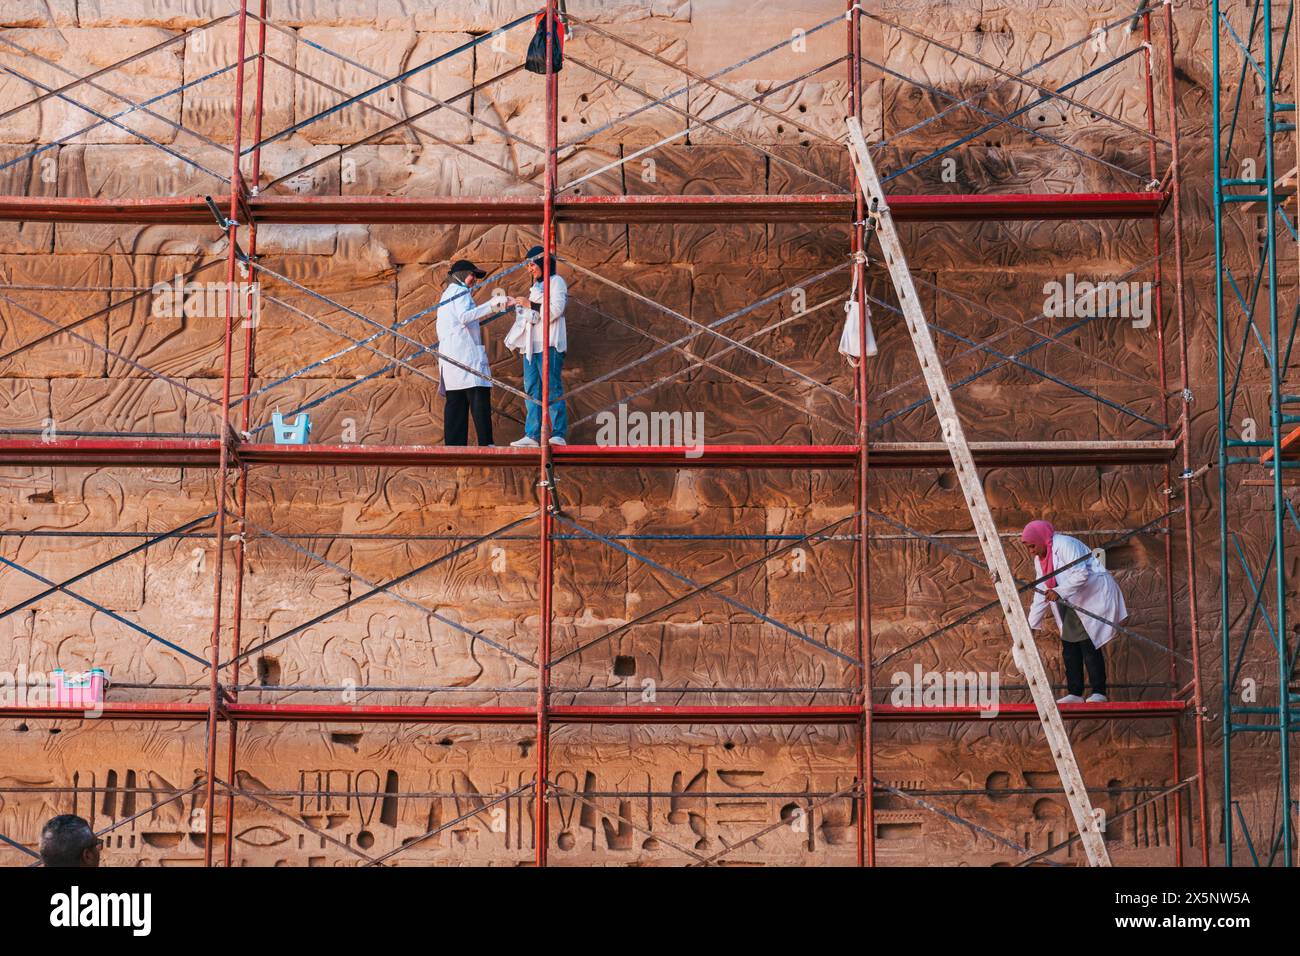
x=536 y=61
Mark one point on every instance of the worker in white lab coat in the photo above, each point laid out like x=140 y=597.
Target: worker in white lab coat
x=465 y=383
x=1086 y=585
x=525 y=337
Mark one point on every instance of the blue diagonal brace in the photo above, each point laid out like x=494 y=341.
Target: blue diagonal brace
x=386 y=588
x=103 y=610
x=399 y=79
x=695 y=585
x=149 y=543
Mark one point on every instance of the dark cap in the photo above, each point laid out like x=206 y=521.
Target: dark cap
x=535 y=257
x=464 y=265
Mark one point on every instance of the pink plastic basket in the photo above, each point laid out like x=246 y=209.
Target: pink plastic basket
x=84 y=689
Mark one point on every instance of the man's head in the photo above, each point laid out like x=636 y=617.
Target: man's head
x=466 y=273
x=67 y=840
x=534 y=259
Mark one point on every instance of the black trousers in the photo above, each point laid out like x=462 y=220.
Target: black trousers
x=461 y=403
x=1076 y=655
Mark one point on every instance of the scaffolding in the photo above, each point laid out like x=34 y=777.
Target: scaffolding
x=237 y=448
x=1255 y=223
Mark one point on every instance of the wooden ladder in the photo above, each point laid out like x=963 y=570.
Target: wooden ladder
x=1023 y=649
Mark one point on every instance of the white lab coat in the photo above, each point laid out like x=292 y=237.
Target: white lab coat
x=1087 y=585
x=461 y=338
x=525 y=336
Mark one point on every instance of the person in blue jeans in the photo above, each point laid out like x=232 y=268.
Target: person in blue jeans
x=525 y=337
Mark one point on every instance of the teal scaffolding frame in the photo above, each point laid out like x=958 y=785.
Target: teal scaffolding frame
x=1253 y=121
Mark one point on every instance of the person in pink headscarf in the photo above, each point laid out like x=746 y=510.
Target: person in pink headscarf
x=1071 y=576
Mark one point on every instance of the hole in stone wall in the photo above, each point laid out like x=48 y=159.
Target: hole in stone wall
x=624 y=665
x=897 y=831
x=997 y=780
x=109 y=804
x=268 y=671
x=128 y=798
x=388 y=810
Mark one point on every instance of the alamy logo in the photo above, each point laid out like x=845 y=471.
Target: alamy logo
x=1084 y=300
x=947 y=689
x=74 y=908
x=84 y=690
x=659 y=429
x=207 y=300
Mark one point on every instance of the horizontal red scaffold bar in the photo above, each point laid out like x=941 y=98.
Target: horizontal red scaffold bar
x=824 y=207
x=205 y=453
x=578 y=714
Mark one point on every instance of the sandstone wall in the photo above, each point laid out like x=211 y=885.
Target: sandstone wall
x=318 y=538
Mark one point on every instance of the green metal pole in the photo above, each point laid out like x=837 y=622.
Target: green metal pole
x=1275 y=421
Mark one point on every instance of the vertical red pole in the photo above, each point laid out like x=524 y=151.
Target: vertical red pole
x=232 y=235
x=542 y=838
x=1171 y=639
x=1185 y=427
x=240 y=542
x=866 y=830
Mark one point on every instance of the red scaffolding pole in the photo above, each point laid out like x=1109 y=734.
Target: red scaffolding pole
x=866 y=827
x=545 y=476
x=232 y=266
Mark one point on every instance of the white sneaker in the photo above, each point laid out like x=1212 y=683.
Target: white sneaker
x=1096 y=699
x=557 y=440
x=1070 y=699
x=524 y=442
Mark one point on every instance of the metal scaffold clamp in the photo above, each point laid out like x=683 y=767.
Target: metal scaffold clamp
x=222 y=221
x=549 y=483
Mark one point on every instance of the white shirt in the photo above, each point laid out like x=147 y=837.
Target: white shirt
x=1087 y=585
x=461 y=338
x=526 y=334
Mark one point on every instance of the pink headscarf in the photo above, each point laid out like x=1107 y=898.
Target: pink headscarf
x=1040 y=533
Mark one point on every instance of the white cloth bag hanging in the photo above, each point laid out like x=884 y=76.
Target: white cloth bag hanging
x=850 y=347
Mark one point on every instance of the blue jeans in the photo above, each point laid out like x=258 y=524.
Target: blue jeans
x=533 y=386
